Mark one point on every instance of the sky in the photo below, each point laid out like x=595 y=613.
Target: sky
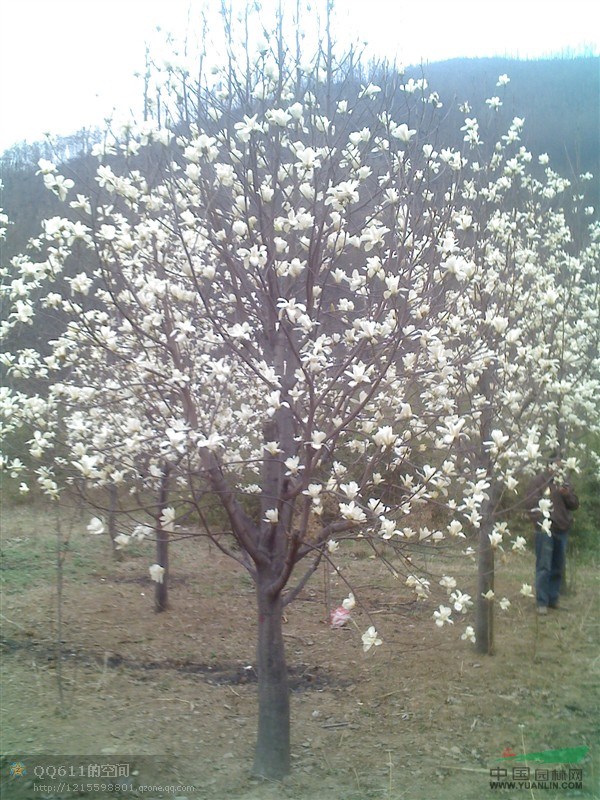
x=66 y=64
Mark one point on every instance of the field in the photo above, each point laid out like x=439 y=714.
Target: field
x=423 y=716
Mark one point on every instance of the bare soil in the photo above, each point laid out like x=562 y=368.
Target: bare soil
x=423 y=716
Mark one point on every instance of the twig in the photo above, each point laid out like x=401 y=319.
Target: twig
x=389 y=694
x=584 y=617
x=181 y=700
x=324 y=754
x=60 y=562
x=299 y=638
x=464 y=769
x=326 y=588
x=526 y=763
x=535 y=637
x=12 y=622
x=102 y=677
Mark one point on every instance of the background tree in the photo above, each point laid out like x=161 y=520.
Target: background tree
x=531 y=294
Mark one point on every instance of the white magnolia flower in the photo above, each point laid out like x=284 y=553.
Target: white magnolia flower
x=469 y=634
x=273 y=448
x=212 y=442
x=504 y=604
x=140 y=532
x=267 y=193
x=385 y=437
x=86 y=464
x=532 y=450
x=519 y=544
x=333 y=546
x=448 y=583
x=121 y=540
x=156 y=573
x=419 y=585
x=272 y=516
x=442 y=615
x=296 y=110
x=511 y=483
x=405 y=411
x=403 y=133
x=96 y=526
x=342 y=194
x=388 y=528
x=455 y=529
x=494 y=103
x=369 y=91
x=495 y=539
x=167 y=518
x=370 y=639
x=317 y=440
x=358 y=373
x=350 y=489
x=489 y=595
x=352 y=512
x=292 y=465
x=349 y=602
x=460 y=601
x=498 y=440
x=526 y=590
x=545 y=506
x=278 y=116
x=46 y=167
x=313 y=490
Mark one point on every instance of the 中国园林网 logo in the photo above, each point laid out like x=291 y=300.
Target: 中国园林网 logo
x=562 y=776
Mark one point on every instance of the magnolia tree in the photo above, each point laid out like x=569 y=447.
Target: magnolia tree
x=268 y=309
x=531 y=294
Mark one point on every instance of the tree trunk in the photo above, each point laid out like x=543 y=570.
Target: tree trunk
x=484 y=609
x=272 y=754
x=161 y=591
x=112 y=520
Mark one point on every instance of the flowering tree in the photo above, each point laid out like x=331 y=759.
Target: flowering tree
x=531 y=297
x=266 y=310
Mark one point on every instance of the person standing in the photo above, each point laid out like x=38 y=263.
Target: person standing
x=550 y=539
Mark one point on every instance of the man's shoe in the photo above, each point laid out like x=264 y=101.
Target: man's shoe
x=542 y=610
x=557 y=607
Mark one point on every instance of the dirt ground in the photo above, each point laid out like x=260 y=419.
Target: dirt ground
x=423 y=716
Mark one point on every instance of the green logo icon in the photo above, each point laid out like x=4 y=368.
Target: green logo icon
x=566 y=755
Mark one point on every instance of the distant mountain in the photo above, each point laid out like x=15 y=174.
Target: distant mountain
x=558 y=98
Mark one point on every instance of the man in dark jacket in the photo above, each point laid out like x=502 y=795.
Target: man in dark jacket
x=557 y=499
